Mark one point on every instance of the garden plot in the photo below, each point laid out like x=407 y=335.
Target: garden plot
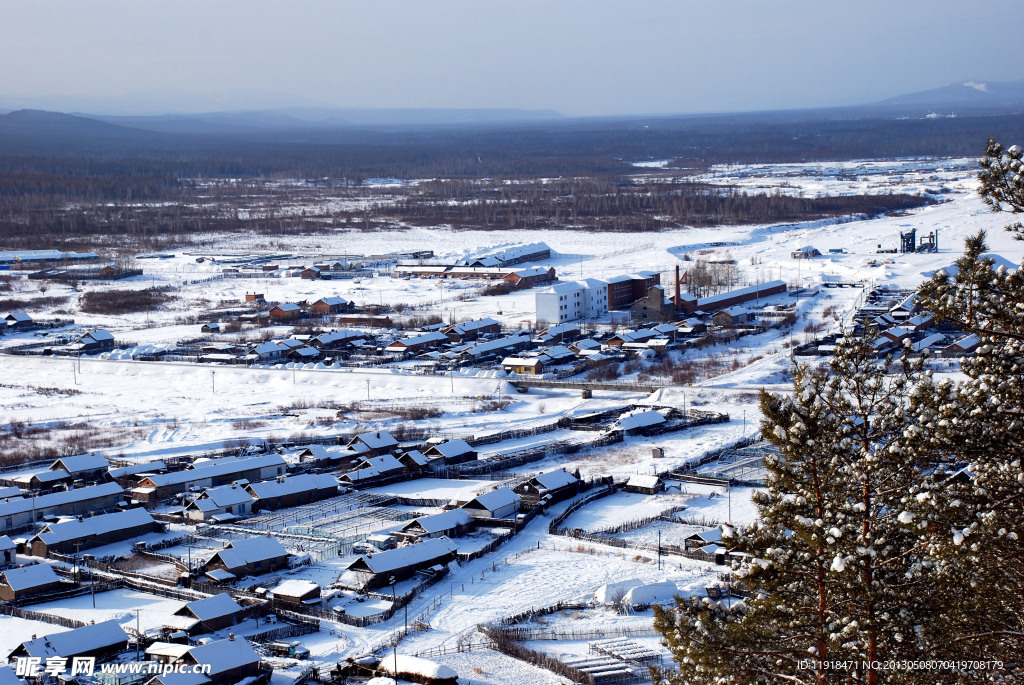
x=121 y=605
x=713 y=503
x=620 y=508
x=668 y=532
x=437 y=489
x=489 y=667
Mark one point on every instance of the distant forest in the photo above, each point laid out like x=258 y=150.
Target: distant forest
x=102 y=188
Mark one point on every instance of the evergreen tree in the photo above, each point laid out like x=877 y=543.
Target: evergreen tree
x=829 y=565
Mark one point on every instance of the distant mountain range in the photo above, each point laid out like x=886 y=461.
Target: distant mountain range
x=30 y=131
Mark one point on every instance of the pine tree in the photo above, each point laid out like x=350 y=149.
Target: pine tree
x=830 y=565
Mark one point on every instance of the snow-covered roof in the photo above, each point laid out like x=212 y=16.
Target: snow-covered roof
x=471 y=326
x=705 y=302
x=641 y=481
x=333 y=301
x=217 y=467
x=305 y=482
x=18 y=317
x=332 y=337
x=501 y=343
x=295 y=588
x=708 y=536
x=413 y=665
x=453 y=448
x=289 y=307
x=495 y=499
x=70 y=643
x=44 y=476
x=613 y=592
x=410 y=555
x=424 y=339
x=562 y=287
x=221 y=574
x=224 y=655
x=967 y=342
x=361 y=474
x=521 y=361
x=28 y=577
x=640 y=420
x=74 y=529
x=653 y=592
x=132 y=469
x=377 y=439
x=926 y=343
x=250 y=550
x=552 y=480
x=17 y=506
x=6 y=543
x=167 y=649
x=416 y=457
x=210 y=608
x=227 y=495
x=98 y=336
x=383 y=463
x=436 y=523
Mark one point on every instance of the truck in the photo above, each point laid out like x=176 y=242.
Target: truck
x=283 y=648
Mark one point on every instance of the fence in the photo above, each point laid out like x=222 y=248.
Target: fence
x=26 y=614
x=515 y=650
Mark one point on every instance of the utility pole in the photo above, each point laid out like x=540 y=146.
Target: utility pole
x=367 y=389
x=659 y=550
x=394 y=647
x=138 y=636
x=213 y=381
x=74 y=372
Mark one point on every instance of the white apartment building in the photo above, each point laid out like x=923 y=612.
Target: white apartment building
x=571 y=301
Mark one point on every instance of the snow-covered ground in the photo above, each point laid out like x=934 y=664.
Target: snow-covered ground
x=153 y=410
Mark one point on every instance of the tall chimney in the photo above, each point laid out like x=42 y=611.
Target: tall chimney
x=675 y=304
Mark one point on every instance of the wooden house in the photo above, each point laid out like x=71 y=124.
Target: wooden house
x=221 y=503
x=496 y=504
x=414 y=461
x=98 y=640
x=418 y=344
x=373 y=444
x=451 y=523
x=553 y=484
x=249 y=557
x=212 y=327
x=95 y=342
x=71 y=536
x=732 y=316
x=527 y=278
x=292 y=491
x=523 y=366
x=372 y=571
x=285 y=312
x=644 y=484
x=20 y=512
x=8 y=551
x=43 y=480
x=297 y=592
x=208 y=473
x=452 y=452
x=310 y=272
x=330 y=305
x=88 y=467
x=470 y=330
x=229 y=661
x=703 y=538
x=206 y=615
x=18 y=321
x=18 y=583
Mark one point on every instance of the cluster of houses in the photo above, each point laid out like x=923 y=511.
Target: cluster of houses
x=894 y=322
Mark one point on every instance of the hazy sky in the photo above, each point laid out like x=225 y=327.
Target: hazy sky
x=579 y=57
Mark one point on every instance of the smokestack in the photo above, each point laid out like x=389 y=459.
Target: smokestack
x=675 y=303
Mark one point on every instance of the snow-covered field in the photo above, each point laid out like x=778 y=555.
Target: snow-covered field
x=165 y=409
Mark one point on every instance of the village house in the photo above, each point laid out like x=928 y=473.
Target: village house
x=212 y=327
x=285 y=312
x=414 y=461
x=806 y=252
x=100 y=640
x=410 y=347
x=310 y=272
x=452 y=452
x=43 y=480
x=527 y=278
x=330 y=305
x=254 y=298
x=8 y=552
x=560 y=333
x=703 y=538
x=336 y=340
x=373 y=571
x=207 y=473
x=373 y=444
x=639 y=422
x=222 y=503
x=523 y=366
x=496 y=504
x=291 y=491
x=248 y=557
x=20 y=512
x=489 y=348
x=641 y=336
x=470 y=330
x=963 y=346
x=652 y=306
x=385 y=464
x=128 y=476
x=87 y=467
x=451 y=523
x=297 y=592
x=644 y=484
x=752 y=293
x=229 y=661
x=554 y=484
x=732 y=316
x=38 y=579
x=18 y=321
x=71 y=536
x=206 y=615
x=95 y=342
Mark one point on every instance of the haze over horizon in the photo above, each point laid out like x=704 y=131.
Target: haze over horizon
x=576 y=58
